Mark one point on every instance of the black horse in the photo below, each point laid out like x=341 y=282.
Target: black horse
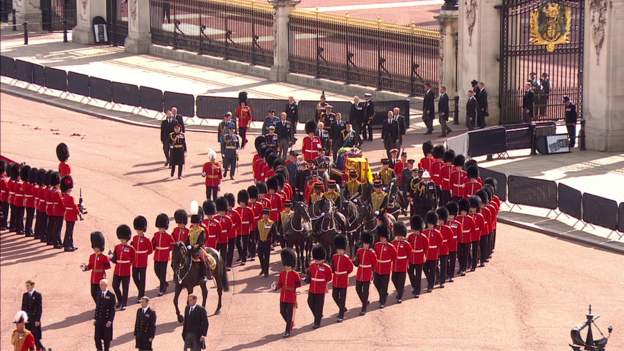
x=187 y=274
x=296 y=233
x=394 y=205
x=353 y=217
x=327 y=222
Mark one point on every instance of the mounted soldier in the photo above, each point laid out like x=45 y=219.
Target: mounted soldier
x=379 y=198
x=333 y=194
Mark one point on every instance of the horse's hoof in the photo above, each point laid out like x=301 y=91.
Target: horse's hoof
x=180 y=319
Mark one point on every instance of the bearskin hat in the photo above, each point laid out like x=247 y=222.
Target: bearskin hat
x=47 y=177
x=473 y=172
x=196 y=213
x=270 y=158
x=242 y=196
x=3 y=166
x=221 y=204
x=13 y=171
x=230 y=199
x=443 y=214
x=262 y=188
x=124 y=232
x=438 y=151
x=24 y=171
x=310 y=127
x=474 y=201
x=491 y=181
x=416 y=222
x=340 y=242
x=252 y=191
x=277 y=162
x=97 y=240
x=140 y=223
x=62 y=152
x=366 y=238
x=259 y=142
x=209 y=208
x=470 y=163
x=55 y=179
x=449 y=156
x=180 y=217
x=289 y=258
x=162 y=221
x=41 y=175
x=464 y=205
x=453 y=208
x=431 y=218
x=242 y=97
x=318 y=253
x=399 y=228
x=427 y=147
x=382 y=231
x=67 y=182
x=281 y=179
x=33 y=175
x=459 y=160
x=272 y=183
x=490 y=190
x=483 y=195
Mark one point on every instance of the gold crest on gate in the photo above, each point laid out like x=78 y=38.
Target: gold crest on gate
x=550 y=25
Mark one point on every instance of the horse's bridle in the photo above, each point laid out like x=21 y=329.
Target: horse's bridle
x=178 y=269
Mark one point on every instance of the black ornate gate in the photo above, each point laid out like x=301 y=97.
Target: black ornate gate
x=540 y=37
x=58 y=14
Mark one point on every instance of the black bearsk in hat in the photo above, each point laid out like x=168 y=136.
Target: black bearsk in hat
x=230 y=199
x=431 y=218
x=310 y=127
x=13 y=171
x=242 y=196
x=55 y=179
x=209 y=208
x=140 y=223
x=289 y=258
x=272 y=183
x=33 y=175
x=62 y=152
x=162 y=221
x=382 y=232
x=318 y=253
x=97 y=240
x=124 y=232
x=242 y=97
x=3 y=166
x=41 y=176
x=340 y=242
x=221 y=204
x=262 y=188
x=252 y=191
x=366 y=238
x=66 y=183
x=259 y=142
x=399 y=229
x=416 y=223
x=24 y=172
x=180 y=216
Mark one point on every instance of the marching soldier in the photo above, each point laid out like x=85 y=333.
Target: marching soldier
x=458 y=178
x=98 y=263
x=226 y=226
x=123 y=258
x=317 y=194
x=447 y=237
x=212 y=226
x=231 y=144
x=234 y=233
x=427 y=160
x=197 y=239
x=62 y=153
x=287 y=283
x=180 y=233
x=332 y=193
x=479 y=227
x=256 y=206
x=487 y=213
x=379 y=198
x=349 y=137
x=178 y=149
x=319 y=274
x=455 y=225
x=386 y=255
x=417 y=258
x=142 y=248
x=30 y=185
x=104 y=316
x=213 y=173
x=434 y=238
x=342 y=267
x=71 y=215
x=285 y=217
x=311 y=143
x=366 y=261
x=399 y=268
x=144 y=325
x=4 y=194
x=246 y=213
x=55 y=212
x=386 y=174
x=42 y=217
x=467 y=225
x=445 y=176
x=353 y=186
x=162 y=242
x=423 y=195
x=266 y=230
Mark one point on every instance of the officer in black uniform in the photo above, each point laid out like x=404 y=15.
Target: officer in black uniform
x=104 y=316
x=144 y=326
x=231 y=144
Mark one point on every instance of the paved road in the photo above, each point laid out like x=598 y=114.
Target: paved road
x=530 y=295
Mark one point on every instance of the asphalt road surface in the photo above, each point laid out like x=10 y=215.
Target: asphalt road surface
x=528 y=297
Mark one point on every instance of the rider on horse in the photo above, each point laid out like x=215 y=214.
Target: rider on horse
x=353 y=187
x=379 y=198
x=196 y=240
x=332 y=193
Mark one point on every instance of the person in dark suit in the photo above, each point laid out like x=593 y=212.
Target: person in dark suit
x=292 y=110
x=195 y=326
x=390 y=133
x=369 y=115
x=104 y=316
x=178 y=117
x=428 y=108
x=443 y=111
x=570 y=119
x=32 y=304
x=528 y=102
x=144 y=326
x=482 y=101
x=543 y=103
x=402 y=122
x=166 y=127
x=471 y=110
x=356 y=115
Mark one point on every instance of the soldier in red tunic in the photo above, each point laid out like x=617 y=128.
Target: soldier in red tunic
x=98 y=263
x=213 y=173
x=41 y=223
x=234 y=234
x=30 y=183
x=4 y=194
x=458 y=178
x=417 y=258
x=311 y=143
x=468 y=226
x=123 y=257
x=436 y=165
x=487 y=214
x=142 y=249
x=56 y=211
x=71 y=214
x=456 y=226
x=319 y=274
x=162 y=242
x=226 y=226
x=256 y=206
x=366 y=260
x=479 y=228
x=62 y=153
x=19 y=190
x=386 y=254
x=287 y=283
x=246 y=214
x=445 y=176
x=447 y=236
x=180 y=233
x=342 y=267
x=399 y=268
x=434 y=238
x=427 y=160
x=212 y=226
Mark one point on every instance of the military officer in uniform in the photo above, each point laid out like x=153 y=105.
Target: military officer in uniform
x=353 y=186
x=379 y=198
x=123 y=257
x=386 y=174
x=317 y=193
x=349 y=137
x=104 y=316
x=231 y=144
x=285 y=217
x=271 y=139
x=332 y=193
x=266 y=230
x=197 y=238
x=144 y=326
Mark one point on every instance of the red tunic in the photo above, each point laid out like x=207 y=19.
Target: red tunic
x=98 y=264
x=288 y=282
x=425 y=163
x=494 y=210
x=403 y=249
x=479 y=227
x=142 y=248
x=420 y=245
x=320 y=274
x=288 y=190
x=447 y=236
x=124 y=258
x=458 y=178
x=311 y=147
x=386 y=254
x=276 y=206
x=28 y=343
x=367 y=260
x=457 y=230
x=71 y=208
x=342 y=266
x=436 y=166
x=29 y=199
x=225 y=222
x=55 y=204
x=162 y=243
x=244 y=116
x=213 y=173
x=468 y=226
x=246 y=215
x=399 y=166
x=4 y=189
x=445 y=176
x=257 y=211
x=257 y=167
x=471 y=186
x=43 y=198
x=213 y=230
x=236 y=224
x=64 y=169
x=487 y=220
x=180 y=234
x=435 y=241
x=18 y=195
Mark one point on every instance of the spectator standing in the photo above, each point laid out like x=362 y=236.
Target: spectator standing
x=443 y=111
x=545 y=83
x=32 y=304
x=369 y=114
x=482 y=101
x=471 y=110
x=195 y=326
x=528 y=102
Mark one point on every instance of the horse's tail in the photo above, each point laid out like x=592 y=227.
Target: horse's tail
x=225 y=284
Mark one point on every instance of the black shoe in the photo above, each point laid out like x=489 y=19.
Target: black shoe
x=481 y=264
x=118 y=306
x=428 y=132
x=58 y=246
x=339 y=320
x=285 y=334
x=399 y=300
x=242 y=263
x=231 y=178
x=362 y=313
x=160 y=293
x=381 y=306
x=441 y=286
x=429 y=290
x=450 y=280
x=316 y=326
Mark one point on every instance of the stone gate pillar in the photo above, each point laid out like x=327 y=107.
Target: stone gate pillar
x=86 y=11
x=479 y=51
x=448 y=50
x=283 y=8
x=27 y=11
x=603 y=75
x=139 y=38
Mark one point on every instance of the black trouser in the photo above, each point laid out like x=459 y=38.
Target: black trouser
x=95 y=288
x=55 y=225
x=572 y=134
x=242 y=242
x=4 y=218
x=139 y=278
x=398 y=280
x=173 y=167
x=430 y=272
x=493 y=242
x=316 y=302
x=68 y=239
x=12 y=218
x=428 y=119
x=41 y=226
x=253 y=240
x=122 y=298
x=474 y=254
x=463 y=257
x=367 y=130
x=230 y=251
x=167 y=12
x=483 y=249
x=286 y=310
x=30 y=216
x=242 y=132
x=36 y=332
x=229 y=164
x=160 y=268
x=381 y=284
x=19 y=219
x=212 y=192
x=414 y=272
x=264 y=249
x=166 y=148
x=362 y=290
x=222 y=248
x=481 y=119
x=340 y=298
x=443 y=265
x=451 y=264
x=103 y=336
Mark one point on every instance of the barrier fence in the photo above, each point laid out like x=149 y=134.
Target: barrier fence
x=157 y=100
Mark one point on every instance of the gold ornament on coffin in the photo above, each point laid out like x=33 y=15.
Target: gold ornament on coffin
x=550 y=25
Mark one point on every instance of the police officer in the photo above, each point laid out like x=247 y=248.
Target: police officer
x=230 y=146
x=570 y=120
